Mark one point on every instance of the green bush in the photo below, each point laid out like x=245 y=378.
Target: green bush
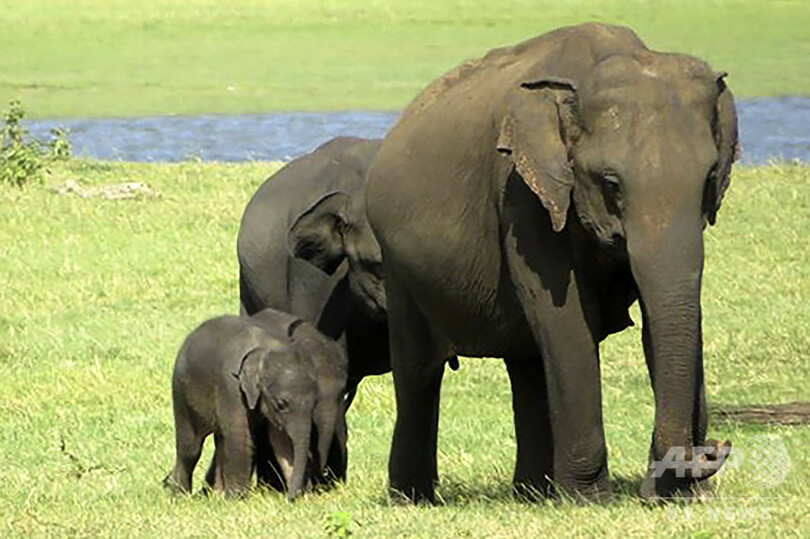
x=22 y=159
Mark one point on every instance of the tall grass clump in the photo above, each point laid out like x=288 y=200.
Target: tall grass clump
x=22 y=158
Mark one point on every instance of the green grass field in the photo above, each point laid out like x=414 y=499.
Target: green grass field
x=126 y=57
x=97 y=296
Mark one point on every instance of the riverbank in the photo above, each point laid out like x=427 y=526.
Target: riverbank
x=771 y=129
x=124 y=58
x=98 y=295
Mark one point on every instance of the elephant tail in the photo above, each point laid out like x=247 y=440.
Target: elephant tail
x=791 y=413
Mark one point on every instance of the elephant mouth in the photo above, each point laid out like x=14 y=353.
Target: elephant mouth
x=283 y=450
x=375 y=306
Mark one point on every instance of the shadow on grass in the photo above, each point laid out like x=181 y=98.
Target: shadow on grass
x=454 y=492
x=627 y=487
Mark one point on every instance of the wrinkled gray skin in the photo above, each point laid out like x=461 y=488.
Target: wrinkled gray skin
x=258 y=393
x=522 y=203
x=305 y=247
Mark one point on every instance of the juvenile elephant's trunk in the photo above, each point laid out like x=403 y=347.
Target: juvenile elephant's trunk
x=300 y=436
x=325 y=418
x=666 y=257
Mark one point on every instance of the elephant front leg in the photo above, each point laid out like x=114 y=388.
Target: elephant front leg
x=550 y=299
x=534 y=466
x=236 y=465
x=417 y=370
x=236 y=454
x=575 y=402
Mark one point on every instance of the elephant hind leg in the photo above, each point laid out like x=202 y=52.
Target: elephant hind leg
x=213 y=477
x=534 y=468
x=418 y=366
x=188 y=444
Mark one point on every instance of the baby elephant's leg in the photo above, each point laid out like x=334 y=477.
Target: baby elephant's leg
x=213 y=478
x=188 y=443
x=237 y=460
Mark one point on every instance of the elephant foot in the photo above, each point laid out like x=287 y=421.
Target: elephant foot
x=410 y=496
x=327 y=480
x=678 y=478
x=656 y=491
x=529 y=490
x=594 y=488
x=173 y=486
x=584 y=494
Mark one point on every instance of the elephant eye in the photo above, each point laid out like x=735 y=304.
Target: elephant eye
x=375 y=267
x=609 y=178
x=282 y=405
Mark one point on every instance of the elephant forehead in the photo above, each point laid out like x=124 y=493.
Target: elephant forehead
x=642 y=105
x=619 y=70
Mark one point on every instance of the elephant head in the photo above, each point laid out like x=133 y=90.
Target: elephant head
x=330 y=367
x=281 y=383
x=639 y=150
x=335 y=228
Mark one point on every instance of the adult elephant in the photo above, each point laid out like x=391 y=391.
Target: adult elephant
x=523 y=202
x=305 y=247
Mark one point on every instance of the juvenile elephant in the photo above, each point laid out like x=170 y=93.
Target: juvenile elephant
x=259 y=393
x=305 y=247
x=523 y=202
x=330 y=366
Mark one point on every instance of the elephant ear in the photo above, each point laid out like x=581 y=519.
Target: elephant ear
x=250 y=346
x=535 y=134
x=278 y=324
x=728 y=147
x=316 y=235
x=250 y=377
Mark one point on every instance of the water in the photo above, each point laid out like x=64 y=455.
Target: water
x=770 y=128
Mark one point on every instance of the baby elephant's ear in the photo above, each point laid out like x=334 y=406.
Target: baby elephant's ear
x=248 y=346
x=249 y=377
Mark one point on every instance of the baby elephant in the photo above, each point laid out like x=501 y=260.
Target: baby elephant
x=257 y=390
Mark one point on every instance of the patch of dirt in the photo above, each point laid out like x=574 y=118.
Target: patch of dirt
x=791 y=413
x=117 y=191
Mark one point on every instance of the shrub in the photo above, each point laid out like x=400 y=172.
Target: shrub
x=22 y=159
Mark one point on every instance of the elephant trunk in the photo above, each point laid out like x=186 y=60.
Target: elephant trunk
x=666 y=258
x=300 y=437
x=325 y=419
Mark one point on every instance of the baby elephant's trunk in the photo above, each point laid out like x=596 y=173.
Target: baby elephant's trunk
x=325 y=418
x=300 y=436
